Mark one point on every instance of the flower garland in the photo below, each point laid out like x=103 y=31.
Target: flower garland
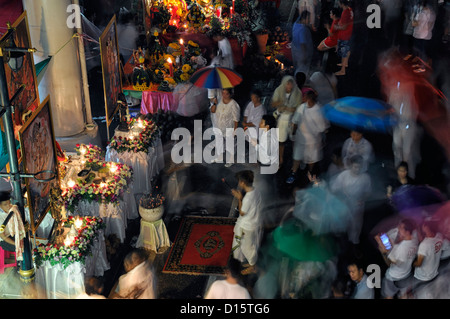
x=75 y=252
x=106 y=192
x=93 y=152
x=136 y=144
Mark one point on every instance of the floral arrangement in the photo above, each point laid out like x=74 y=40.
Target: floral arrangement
x=75 y=252
x=110 y=191
x=133 y=144
x=195 y=16
x=91 y=151
x=150 y=201
x=238 y=28
x=160 y=15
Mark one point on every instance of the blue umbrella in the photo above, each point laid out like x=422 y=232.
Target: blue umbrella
x=361 y=114
x=417 y=200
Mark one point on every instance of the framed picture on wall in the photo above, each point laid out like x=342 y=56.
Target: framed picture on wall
x=112 y=81
x=38 y=146
x=28 y=99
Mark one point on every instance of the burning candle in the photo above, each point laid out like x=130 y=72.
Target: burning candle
x=182 y=47
x=71 y=183
x=67 y=241
x=170 y=66
x=78 y=223
x=82 y=150
x=103 y=185
x=232 y=11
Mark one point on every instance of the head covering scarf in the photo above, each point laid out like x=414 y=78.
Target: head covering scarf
x=279 y=94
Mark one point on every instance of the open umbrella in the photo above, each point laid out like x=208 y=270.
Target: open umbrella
x=215 y=77
x=361 y=114
x=321 y=211
x=417 y=201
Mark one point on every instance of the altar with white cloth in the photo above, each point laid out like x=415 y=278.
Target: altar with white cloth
x=63 y=264
x=93 y=187
x=141 y=149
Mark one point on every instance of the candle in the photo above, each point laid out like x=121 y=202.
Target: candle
x=232 y=10
x=82 y=150
x=182 y=47
x=170 y=66
x=103 y=185
x=78 y=223
x=71 y=183
x=67 y=241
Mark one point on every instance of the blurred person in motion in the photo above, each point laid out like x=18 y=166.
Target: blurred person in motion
x=308 y=126
x=285 y=99
x=248 y=227
x=428 y=255
x=399 y=259
x=230 y=287
x=93 y=287
x=353 y=186
x=139 y=281
x=302 y=46
x=357 y=274
x=356 y=144
x=345 y=30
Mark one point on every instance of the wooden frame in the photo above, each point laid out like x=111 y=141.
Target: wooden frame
x=29 y=98
x=37 y=141
x=112 y=78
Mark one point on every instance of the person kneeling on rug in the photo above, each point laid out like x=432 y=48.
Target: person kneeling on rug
x=248 y=230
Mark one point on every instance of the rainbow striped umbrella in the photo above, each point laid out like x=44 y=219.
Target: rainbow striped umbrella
x=215 y=77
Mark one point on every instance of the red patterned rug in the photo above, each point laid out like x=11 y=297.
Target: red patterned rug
x=202 y=246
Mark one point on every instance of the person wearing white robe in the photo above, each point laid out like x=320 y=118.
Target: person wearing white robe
x=356 y=144
x=354 y=187
x=309 y=124
x=247 y=230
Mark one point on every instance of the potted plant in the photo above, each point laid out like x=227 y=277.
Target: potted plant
x=151 y=207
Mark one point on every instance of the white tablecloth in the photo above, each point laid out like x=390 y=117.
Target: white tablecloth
x=145 y=165
x=153 y=236
x=115 y=215
x=55 y=282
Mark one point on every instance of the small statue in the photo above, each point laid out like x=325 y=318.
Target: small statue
x=124 y=114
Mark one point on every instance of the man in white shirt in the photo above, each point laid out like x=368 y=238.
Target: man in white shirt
x=428 y=254
x=230 y=287
x=247 y=231
x=254 y=111
x=356 y=144
x=353 y=186
x=399 y=259
x=423 y=24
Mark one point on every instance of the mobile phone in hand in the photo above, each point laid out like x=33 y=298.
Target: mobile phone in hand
x=385 y=240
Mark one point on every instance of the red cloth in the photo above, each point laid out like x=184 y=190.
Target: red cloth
x=153 y=101
x=346 y=19
x=238 y=54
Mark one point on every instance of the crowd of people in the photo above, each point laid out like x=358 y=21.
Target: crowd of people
x=416 y=252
